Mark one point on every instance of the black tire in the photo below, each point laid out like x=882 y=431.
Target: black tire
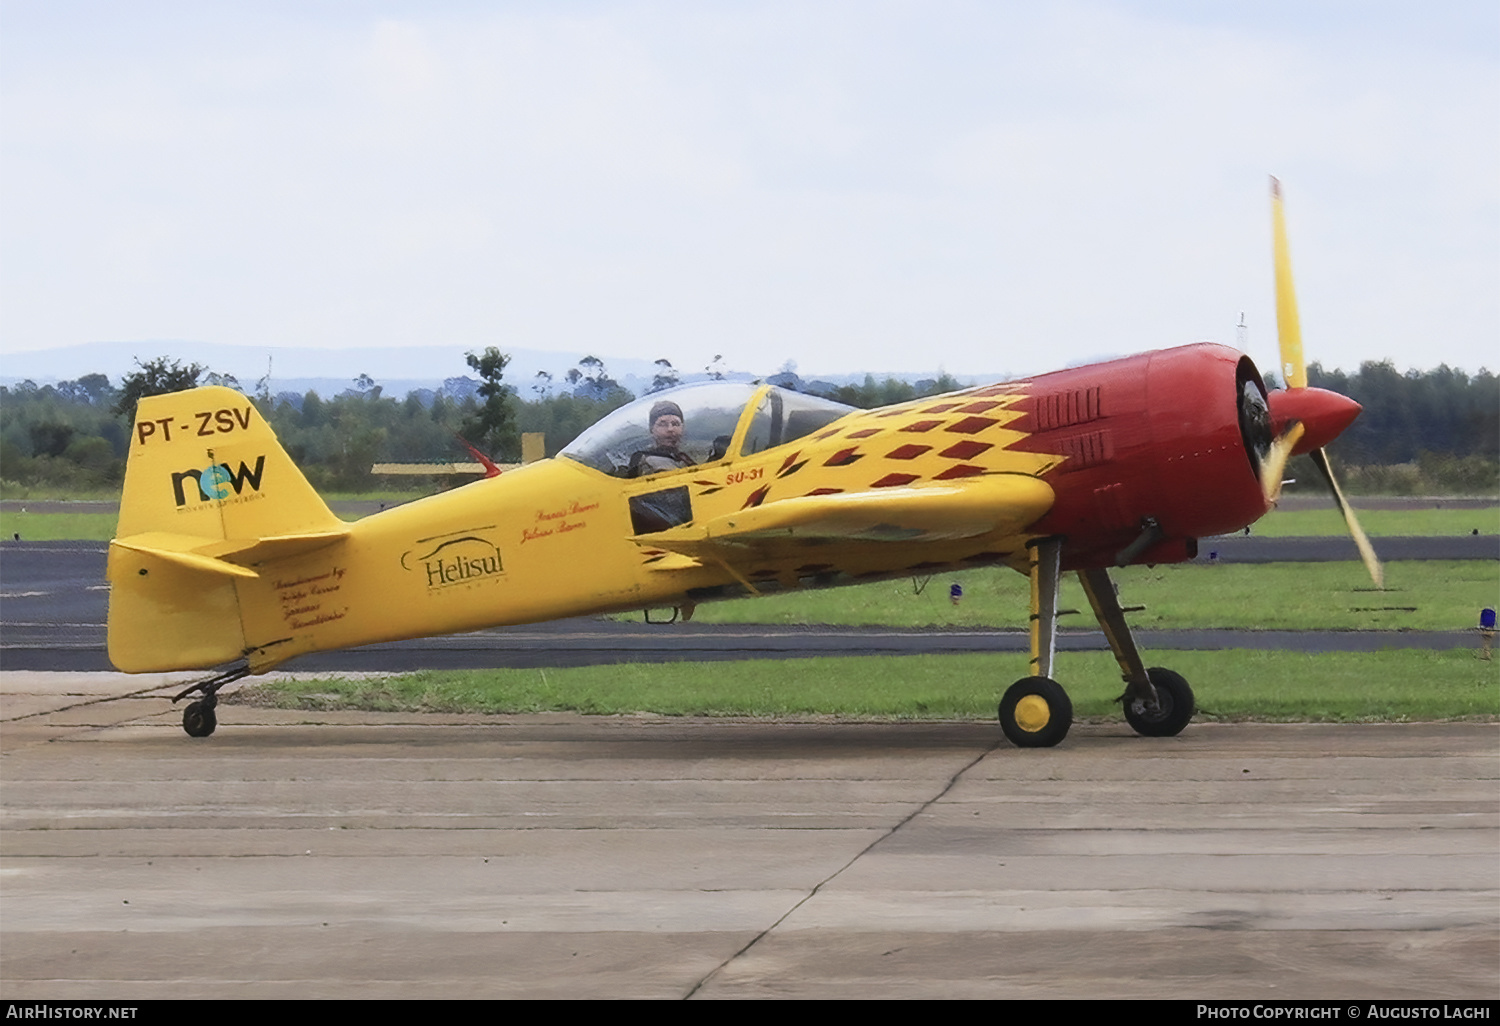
x=1036 y=724
x=199 y=720
x=1175 y=706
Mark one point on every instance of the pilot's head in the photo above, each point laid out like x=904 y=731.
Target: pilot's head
x=666 y=424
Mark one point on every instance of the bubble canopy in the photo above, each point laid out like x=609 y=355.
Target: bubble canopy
x=721 y=419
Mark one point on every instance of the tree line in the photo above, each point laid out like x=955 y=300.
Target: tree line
x=1421 y=431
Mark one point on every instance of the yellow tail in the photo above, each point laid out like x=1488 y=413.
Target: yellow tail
x=210 y=495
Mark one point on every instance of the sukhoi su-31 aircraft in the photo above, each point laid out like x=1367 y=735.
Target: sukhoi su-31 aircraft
x=227 y=560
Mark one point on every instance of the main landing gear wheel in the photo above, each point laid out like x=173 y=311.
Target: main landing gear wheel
x=1036 y=712
x=198 y=718
x=1174 y=706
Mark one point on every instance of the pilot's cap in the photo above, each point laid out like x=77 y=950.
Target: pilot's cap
x=663 y=409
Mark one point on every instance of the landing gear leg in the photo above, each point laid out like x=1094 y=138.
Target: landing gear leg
x=1046 y=563
x=199 y=719
x=1036 y=712
x=1158 y=702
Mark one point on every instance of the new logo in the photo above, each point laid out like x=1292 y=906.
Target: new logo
x=216 y=481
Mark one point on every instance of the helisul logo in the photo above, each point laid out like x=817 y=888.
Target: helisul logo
x=462 y=557
x=216 y=481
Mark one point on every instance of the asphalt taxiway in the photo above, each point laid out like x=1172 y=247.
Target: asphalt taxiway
x=298 y=854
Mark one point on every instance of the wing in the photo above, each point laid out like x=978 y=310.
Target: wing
x=998 y=503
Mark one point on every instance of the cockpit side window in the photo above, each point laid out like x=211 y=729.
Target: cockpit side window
x=803 y=414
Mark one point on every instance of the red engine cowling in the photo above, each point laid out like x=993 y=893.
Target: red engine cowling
x=1158 y=450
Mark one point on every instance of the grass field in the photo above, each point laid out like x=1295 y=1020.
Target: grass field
x=58 y=526
x=1432 y=595
x=1377 y=523
x=1391 y=686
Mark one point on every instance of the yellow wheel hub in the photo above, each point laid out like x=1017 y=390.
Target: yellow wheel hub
x=1033 y=713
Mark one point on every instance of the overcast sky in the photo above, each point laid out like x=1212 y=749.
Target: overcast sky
x=853 y=185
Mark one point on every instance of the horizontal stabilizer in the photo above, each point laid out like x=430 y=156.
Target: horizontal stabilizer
x=232 y=557
x=924 y=513
x=170 y=547
x=255 y=551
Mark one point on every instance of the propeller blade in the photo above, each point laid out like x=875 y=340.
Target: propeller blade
x=1288 y=325
x=1329 y=413
x=1273 y=467
x=1366 y=550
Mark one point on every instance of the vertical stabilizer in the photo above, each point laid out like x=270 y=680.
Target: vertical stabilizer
x=210 y=495
x=205 y=463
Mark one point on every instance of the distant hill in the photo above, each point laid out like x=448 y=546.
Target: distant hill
x=398 y=370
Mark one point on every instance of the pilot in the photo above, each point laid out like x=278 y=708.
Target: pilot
x=666 y=435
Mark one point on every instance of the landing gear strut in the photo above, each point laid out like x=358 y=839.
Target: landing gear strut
x=199 y=719
x=1158 y=702
x=1036 y=712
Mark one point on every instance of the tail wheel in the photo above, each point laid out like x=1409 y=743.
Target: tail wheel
x=1036 y=712
x=199 y=720
x=1173 y=709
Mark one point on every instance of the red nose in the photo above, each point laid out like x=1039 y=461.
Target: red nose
x=1323 y=414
